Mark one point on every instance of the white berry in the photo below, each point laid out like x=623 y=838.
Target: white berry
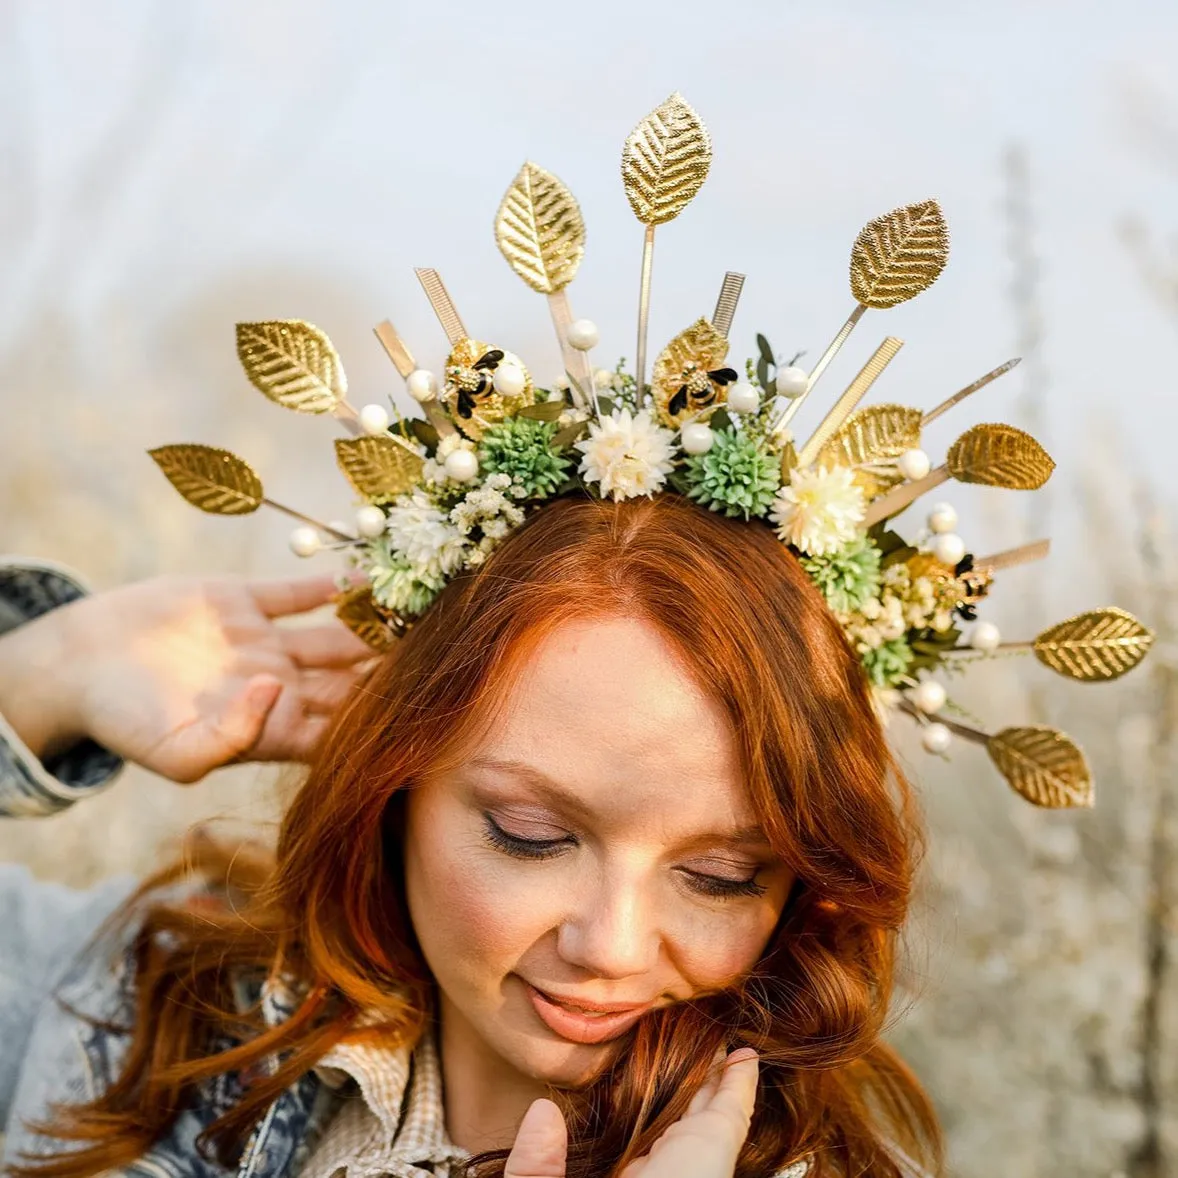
x=422 y=385
x=370 y=521
x=461 y=465
x=510 y=380
x=929 y=696
x=914 y=464
x=936 y=738
x=583 y=335
x=791 y=382
x=985 y=637
x=948 y=548
x=942 y=518
x=743 y=398
x=696 y=437
x=305 y=541
x=374 y=420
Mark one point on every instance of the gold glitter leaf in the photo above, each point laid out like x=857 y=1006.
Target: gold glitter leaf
x=539 y=230
x=359 y=612
x=379 y=469
x=292 y=363
x=999 y=456
x=665 y=161
x=898 y=255
x=875 y=434
x=212 y=479
x=1094 y=646
x=1044 y=765
x=692 y=353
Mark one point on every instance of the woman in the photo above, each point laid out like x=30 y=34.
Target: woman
x=629 y=761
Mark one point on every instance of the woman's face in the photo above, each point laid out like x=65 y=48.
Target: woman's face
x=587 y=848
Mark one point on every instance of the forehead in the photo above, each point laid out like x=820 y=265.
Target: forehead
x=607 y=709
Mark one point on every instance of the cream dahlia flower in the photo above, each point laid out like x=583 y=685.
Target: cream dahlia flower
x=627 y=454
x=421 y=533
x=819 y=510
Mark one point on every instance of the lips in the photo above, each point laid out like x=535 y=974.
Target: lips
x=579 y=1027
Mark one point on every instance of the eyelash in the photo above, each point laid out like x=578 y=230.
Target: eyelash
x=707 y=885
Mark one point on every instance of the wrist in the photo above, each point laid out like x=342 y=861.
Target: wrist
x=39 y=696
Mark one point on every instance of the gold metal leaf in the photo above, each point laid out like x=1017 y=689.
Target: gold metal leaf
x=212 y=479
x=898 y=255
x=292 y=363
x=999 y=456
x=665 y=161
x=1094 y=646
x=539 y=230
x=875 y=434
x=1044 y=765
x=359 y=612
x=685 y=360
x=378 y=468
x=490 y=406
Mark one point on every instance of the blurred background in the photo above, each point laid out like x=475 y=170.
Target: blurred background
x=167 y=170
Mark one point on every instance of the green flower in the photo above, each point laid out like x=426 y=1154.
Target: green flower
x=887 y=664
x=736 y=476
x=848 y=577
x=519 y=447
x=397 y=584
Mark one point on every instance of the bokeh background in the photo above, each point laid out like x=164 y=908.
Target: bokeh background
x=167 y=170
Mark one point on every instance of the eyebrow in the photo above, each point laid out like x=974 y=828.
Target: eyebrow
x=552 y=791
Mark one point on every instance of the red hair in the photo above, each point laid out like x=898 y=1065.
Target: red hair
x=329 y=908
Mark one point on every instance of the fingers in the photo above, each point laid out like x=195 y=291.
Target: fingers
x=708 y=1088
x=321 y=692
x=737 y=1091
x=541 y=1143
x=324 y=646
x=294 y=596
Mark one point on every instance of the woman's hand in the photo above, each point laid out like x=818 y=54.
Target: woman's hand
x=704 y=1143
x=181 y=674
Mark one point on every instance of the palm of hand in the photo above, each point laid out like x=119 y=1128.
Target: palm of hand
x=186 y=674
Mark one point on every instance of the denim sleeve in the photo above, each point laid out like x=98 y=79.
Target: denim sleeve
x=43 y=927
x=29 y=787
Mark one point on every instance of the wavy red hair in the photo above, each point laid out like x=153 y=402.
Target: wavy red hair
x=329 y=906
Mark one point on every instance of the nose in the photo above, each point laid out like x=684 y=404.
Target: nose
x=611 y=930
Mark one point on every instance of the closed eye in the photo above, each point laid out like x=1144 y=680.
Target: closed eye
x=521 y=848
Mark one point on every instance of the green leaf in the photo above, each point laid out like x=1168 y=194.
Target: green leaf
x=425 y=433
x=720 y=419
x=542 y=410
x=765 y=350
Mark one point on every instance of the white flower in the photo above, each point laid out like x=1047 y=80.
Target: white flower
x=489 y=508
x=421 y=533
x=628 y=454
x=819 y=510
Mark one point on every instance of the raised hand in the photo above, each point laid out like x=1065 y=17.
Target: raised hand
x=704 y=1143
x=181 y=674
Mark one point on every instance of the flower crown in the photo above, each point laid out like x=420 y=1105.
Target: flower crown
x=440 y=491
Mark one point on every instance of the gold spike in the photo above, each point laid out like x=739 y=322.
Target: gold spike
x=969 y=390
x=396 y=348
x=1013 y=557
x=855 y=392
x=442 y=304
x=1094 y=646
x=790 y=411
x=896 y=500
x=576 y=362
x=644 y=309
x=725 y=310
x=1044 y=765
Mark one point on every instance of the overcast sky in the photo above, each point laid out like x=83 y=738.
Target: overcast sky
x=160 y=156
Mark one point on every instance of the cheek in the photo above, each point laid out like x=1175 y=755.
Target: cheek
x=467 y=910
x=715 y=949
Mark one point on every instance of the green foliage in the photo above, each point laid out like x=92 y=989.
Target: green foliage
x=520 y=448
x=888 y=664
x=849 y=577
x=736 y=476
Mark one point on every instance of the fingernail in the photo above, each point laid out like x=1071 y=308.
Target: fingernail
x=742 y=1053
